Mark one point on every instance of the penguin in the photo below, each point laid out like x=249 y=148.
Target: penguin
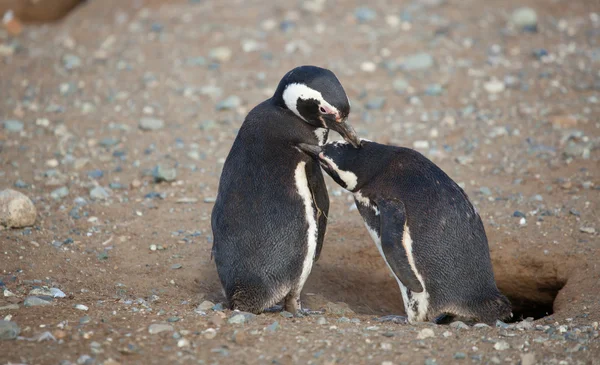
x=270 y=215
x=424 y=226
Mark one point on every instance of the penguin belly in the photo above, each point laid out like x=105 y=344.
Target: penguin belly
x=416 y=305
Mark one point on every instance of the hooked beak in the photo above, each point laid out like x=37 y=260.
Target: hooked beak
x=310 y=149
x=343 y=128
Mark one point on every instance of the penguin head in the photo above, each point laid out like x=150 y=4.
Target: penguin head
x=316 y=96
x=348 y=166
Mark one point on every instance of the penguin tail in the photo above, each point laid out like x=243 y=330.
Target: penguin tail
x=492 y=309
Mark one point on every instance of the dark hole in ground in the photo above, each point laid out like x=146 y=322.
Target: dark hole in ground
x=537 y=304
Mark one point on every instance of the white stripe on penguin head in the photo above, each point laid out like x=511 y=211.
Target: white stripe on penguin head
x=348 y=177
x=296 y=91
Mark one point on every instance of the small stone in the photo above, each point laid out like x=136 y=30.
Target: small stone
x=220 y=54
x=589 y=230
x=13 y=126
x=16 y=210
x=430 y=362
x=20 y=184
x=273 y=327
x=9 y=307
x=364 y=14
x=151 y=124
x=162 y=173
x=524 y=325
x=519 y=214
x=99 y=193
x=464 y=160
x=434 y=90
x=421 y=144
x=60 y=193
x=35 y=302
x=524 y=18
x=160 y=327
x=501 y=345
x=418 y=62
x=494 y=86
x=205 y=305
x=459 y=325
x=237 y=319
x=425 y=333
x=522 y=222
x=460 y=355
x=176 y=266
x=481 y=325
x=8 y=330
x=368 y=67
x=230 y=103
x=528 y=359
x=71 y=61
x=485 y=191
x=400 y=86
x=209 y=333
x=501 y=324
x=81 y=307
x=40 y=292
x=286 y=314
x=322 y=321
x=375 y=103
x=183 y=342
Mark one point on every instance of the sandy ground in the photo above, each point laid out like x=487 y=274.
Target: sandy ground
x=512 y=116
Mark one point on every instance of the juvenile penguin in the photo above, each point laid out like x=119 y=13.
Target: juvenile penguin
x=270 y=215
x=426 y=229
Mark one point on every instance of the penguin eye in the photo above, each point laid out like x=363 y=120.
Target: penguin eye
x=322 y=110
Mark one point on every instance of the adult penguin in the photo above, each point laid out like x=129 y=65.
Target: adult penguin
x=270 y=215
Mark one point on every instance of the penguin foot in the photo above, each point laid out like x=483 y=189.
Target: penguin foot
x=274 y=309
x=394 y=319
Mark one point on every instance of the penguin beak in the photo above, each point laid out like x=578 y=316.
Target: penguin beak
x=310 y=149
x=343 y=128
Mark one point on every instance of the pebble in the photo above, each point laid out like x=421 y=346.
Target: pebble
x=99 y=193
x=417 y=62
x=524 y=18
x=220 y=54
x=20 y=184
x=176 y=266
x=273 y=327
x=364 y=14
x=425 y=333
x=459 y=325
x=519 y=214
x=286 y=314
x=162 y=173
x=81 y=307
x=209 y=333
x=238 y=319
x=434 y=90
x=430 y=362
x=205 y=305
x=13 y=126
x=16 y=210
x=368 y=66
x=8 y=330
x=183 y=342
x=421 y=144
x=375 y=103
x=71 y=61
x=481 y=325
x=589 y=230
x=151 y=124
x=501 y=345
x=400 y=86
x=230 y=103
x=60 y=193
x=32 y=301
x=459 y=355
x=485 y=190
x=494 y=86
x=160 y=327
x=322 y=321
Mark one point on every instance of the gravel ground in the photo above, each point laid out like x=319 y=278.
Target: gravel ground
x=115 y=122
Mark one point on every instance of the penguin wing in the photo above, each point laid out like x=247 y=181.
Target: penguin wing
x=318 y=189
x=393 y=220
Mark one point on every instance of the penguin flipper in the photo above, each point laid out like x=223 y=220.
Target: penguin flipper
x=393 y=220
x=317 y=187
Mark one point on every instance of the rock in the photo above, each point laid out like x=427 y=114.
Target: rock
x=237 y=319
x=417 y=62
x=368 y=67
x=156 y=328
x=230 y=103
x=220 y=54
x=273 y=327
x=589 y=230
x=519 y=214
x=99 y=193
x=459 y=325
x=524 y=18
x=481 y=325
x=364 y=14
x=286 y=314
x=60 y=193
x=400 y=86
x=40 y=292
x=71 y=61
x=81 y=307
x=205 y=305
x=338 y=308
x=485 y=191
x=8 y=330
x=9 y=307
x=425 y=333
x=209 y=333
x=32 y=301
x=57 y=293
x=524 y=325
x=322 y=321
x=430 y=362
x=176 y=266
x=421 y=144
x=151 y=124
x=20 y=184
x=434 y=90
x=16 y=210
x=183 y=342
x=501 y=345
x=494 y=86
x=528 y=359
x=161 y=173
x=459 y=355
x=13 y=126
x=375 y=103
